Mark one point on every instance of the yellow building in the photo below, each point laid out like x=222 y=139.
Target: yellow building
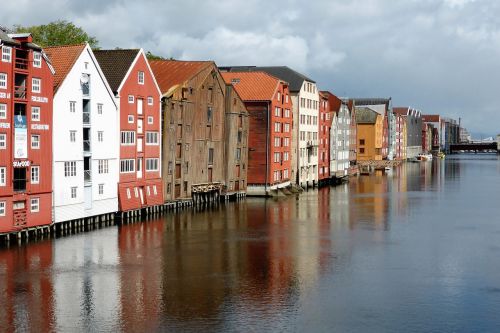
x=369 y=133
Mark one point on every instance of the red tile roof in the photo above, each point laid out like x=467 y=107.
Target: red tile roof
x=431 y=118
x=334 y=101
x=63 y=58
x=170 y=73
x=401 y=110
x=253 y=86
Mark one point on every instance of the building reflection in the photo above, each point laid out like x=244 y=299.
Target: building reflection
x=26 y=290
x=369 y=201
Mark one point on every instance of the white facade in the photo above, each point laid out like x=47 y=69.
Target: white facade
x=308 y=128
x=333 y=145
x=86 y=136
x=343 y=130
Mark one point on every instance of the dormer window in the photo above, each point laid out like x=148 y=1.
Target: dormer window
x=6 y=54
x=140 y=77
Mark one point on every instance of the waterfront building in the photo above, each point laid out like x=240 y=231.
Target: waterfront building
x=370 y=134
x=342 y=134
x=85 y=132
x=384 y=107
x=138 y=98
x=413 y=119
x=325 y=124
x=269 y=106
x=305 y=101
x=465 y=137
x=435 y=121
x=26 y=78
x=206 y=131
x=353 y=146
x=400 y=152
x=449 y=133
x=427 y=135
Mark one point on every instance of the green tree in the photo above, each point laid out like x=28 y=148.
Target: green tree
x=56 y=33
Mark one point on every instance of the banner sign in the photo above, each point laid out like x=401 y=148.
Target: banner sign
x=20 y=137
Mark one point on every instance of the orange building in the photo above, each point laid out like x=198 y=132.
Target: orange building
x=370 y=132
x=269 y=105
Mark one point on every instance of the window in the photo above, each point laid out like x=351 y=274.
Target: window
x=2 y=208
x=127 y=166
x=72 y=106
x=152 y=164
x=70 y=169
x=277 y=112
x=154 y=190
x=36 y=85
x=99 y=108
x=73 y=192
x=279 y=96
x=35 y=142
x=286 y=156
x=150 y=100
x=287 y=112
x=287 y=128
x=170 y=167
x=35 y=205
x=276 y=157
x=3 y=81
x=128 y=193
x=277 y=142
x=3 y=176
x=3 y=111
x=100 y=136
x=37 y=59
x=128 y=138
x=140 y=77
x=150 y=120
x=35 y=174
x=361 y=150
x=136 y=192
x=361 y=142
x=101 y=189
x=286 y=142
x=210 y=156
x=6 y=54
x=130 y=99
x=151 y=138
x=130 y=119
x=238 y=154
x=209 y=114
x=102 y=166
x=35 y=113
x=72 y=136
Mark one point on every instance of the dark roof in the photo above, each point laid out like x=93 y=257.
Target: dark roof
x=372 y=101
x=6 y=39
x=365 y=115
x=285 y=73
x=115 y=65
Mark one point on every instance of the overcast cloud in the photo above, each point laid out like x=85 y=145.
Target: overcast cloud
x=440 y=56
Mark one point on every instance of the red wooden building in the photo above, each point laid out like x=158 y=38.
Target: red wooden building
x=26 y=80
x=325 y=124
x=269 y=108
x=131 y=79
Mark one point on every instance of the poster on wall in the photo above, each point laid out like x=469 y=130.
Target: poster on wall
x=20 y=137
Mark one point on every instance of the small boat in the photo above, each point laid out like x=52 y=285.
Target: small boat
x=441 y=155
x=424 y=157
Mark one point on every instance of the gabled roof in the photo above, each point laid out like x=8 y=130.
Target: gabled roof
x=253 y=86
x=366 y=115
x=285 y=73
x=170 y=73
x=62 y=59
x=334 y=102
x=115 y=65
x=4 y=38
x=372 y=101
x=401 y=110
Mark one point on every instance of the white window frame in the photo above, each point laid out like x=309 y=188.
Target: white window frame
x=3 y=111
x=70 y=169
x=35 y=113
x=6 y=54
x=128 y=138
x=101 y=189
x=127 y=165
x=102 y=166
x=150 y=100
x=130 y=119
x=136 y=192
x=99 y=108
x=35 y=141
x=73 y=192
x=140 y=77
x=37 y=59
x=131 y=99
x=36 y=85
x=3 y=80
x=150 y=120
x=152 y=164
x=35 y=174
x=35 y=205
x=72 y=106
x=3 y=176
x=100 y=136
x=3 y=141
x=128 y=194
x=72 y=136
x=152 y=138
x=2 y=208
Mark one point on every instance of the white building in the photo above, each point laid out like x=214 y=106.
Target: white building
x=85 y=136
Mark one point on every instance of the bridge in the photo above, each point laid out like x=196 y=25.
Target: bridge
x=474 y=147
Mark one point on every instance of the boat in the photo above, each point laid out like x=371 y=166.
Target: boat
x=424 y=157
x=441 y=155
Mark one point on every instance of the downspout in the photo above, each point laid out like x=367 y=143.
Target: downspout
x=267 y=146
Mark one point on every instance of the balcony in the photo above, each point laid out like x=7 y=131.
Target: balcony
x=311 y=143
x=22 y=64
x=87 y=176
x=86 y=147
x=86 y=118
x=20 y=92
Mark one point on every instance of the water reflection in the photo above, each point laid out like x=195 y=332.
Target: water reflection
x=341 y=257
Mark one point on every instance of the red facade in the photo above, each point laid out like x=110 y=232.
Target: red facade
x=142 y=187
x=26 y=82
x=325 y=124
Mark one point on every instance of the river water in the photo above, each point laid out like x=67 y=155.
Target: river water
x=414 y=251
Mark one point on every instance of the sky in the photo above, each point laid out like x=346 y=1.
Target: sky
x=439 y=56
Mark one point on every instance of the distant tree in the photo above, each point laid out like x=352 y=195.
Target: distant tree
x=56 y=33
x=152 y=56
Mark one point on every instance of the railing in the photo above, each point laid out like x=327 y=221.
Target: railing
x=87 y=176
x=22 y=63
x=86 y=146
x=20 y=92
x=86 y=117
